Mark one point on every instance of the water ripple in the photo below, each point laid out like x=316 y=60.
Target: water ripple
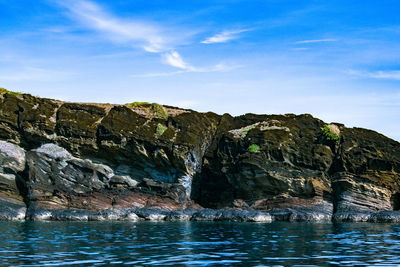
x=198 y=244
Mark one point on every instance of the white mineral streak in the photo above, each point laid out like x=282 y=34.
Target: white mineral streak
x=54 y=151
x=12 y=156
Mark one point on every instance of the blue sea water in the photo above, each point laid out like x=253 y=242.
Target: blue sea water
x=198 y=243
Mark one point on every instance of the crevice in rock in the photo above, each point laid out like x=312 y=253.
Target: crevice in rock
x=19 y=112
x=198 y=176
x=57 y=122
x=395 y=201
x=21 y=181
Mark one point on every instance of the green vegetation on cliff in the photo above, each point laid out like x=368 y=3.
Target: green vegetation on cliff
x=254 y=148
x=5 y=91
x=161 y=129
x=331 y=132
x=157 y=110
x=138 y=104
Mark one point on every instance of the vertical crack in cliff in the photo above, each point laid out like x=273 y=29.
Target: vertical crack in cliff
x=336 y=166
x=195 y=192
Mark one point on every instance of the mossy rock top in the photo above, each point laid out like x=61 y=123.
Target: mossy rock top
x=149 y=110
x=5 y=91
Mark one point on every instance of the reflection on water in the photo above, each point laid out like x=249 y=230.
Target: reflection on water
x=197 y=243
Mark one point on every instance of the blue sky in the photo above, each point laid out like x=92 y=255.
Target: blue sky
x=337 y=60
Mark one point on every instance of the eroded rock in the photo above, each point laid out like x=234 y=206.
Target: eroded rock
x=352 y=193
x=78 y=161
x=12 y=185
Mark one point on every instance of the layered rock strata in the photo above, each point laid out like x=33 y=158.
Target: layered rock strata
x=77 y=161
x=12 y=164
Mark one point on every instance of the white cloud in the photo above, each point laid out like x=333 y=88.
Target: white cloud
x=390 y=75
x=223 y=37
x=158 y=74
x=300 y=48
x=316 y=41
x=35 y=74
x=223 y=67
x=147 y=35
x=386 y=75
x=56 y=29
x=175 y=60
x=136 y=33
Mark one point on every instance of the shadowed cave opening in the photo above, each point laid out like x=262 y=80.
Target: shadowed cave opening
x=395 y=201
x=211 y=191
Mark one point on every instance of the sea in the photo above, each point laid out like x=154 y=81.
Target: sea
x=145 y=243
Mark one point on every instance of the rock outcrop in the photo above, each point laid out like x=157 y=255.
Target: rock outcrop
x=77 y=161
x=12 y=189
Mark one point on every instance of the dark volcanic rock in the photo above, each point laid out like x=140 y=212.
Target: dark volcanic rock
x=231 y=215
x=321 y=212
x=76 y=161
x=354 y=193
x=291 y=160
x=385 y=217
x=11 y=209
x=12 y=185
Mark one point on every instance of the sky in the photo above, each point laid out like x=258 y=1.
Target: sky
x=337 y=60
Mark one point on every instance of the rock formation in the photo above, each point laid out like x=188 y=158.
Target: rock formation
x=77 y=161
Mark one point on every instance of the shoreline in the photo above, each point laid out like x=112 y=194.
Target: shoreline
x=215 y=215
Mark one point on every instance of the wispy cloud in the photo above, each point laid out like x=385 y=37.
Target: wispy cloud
x=391 y=75
x=35 y=74
x=217 y=68
x=158 y=74
x=316 y=41
x=386 y=75
x=300 y=48
x=149 y=36
x=57 y=29
x=174 y=59
x=224 y=36
x=137 y=33
x=146 y=35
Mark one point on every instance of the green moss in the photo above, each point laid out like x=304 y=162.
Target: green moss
x=5 y=91
x=243 y=133
x=160 y=129
x=138 y=104
x=254 y=148
x=158 y=111
x=329 y=134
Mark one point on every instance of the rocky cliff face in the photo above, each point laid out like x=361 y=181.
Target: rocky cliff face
x=90 y=161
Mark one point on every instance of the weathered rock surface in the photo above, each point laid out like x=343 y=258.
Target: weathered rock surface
x=12 y=163
x=76 y=161
x=352 y=193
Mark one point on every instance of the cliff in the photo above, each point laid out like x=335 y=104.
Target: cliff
x=87 y=161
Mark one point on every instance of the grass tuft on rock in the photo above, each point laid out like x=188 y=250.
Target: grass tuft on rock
x=254 y=148
x=159 y=112
x=155 y=109
x=331 y=132
x=138 y=104
x=5 y=91
x=160 y=129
